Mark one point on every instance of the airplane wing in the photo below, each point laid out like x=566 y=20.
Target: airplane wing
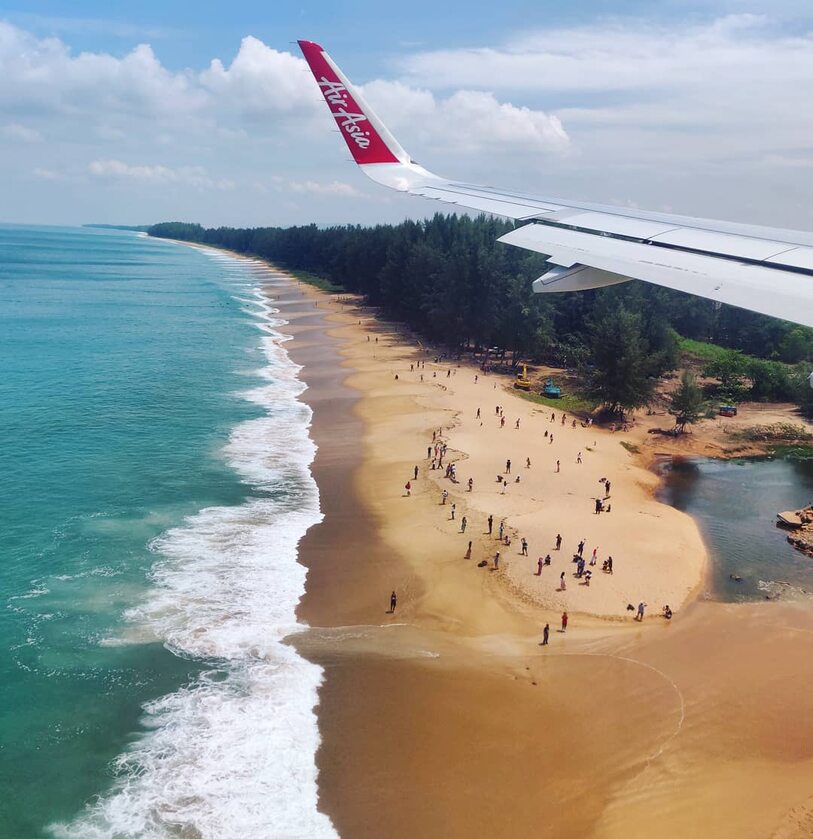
x=762 y=269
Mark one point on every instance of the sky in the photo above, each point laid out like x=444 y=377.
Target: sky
x=133 y=113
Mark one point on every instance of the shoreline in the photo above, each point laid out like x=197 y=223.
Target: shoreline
x=448 y=720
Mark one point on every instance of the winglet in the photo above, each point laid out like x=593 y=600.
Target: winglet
x=365 y=135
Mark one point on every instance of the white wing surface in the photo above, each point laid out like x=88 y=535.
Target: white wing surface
x=762 y=269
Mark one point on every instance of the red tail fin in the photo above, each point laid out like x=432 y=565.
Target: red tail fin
x=358 y=125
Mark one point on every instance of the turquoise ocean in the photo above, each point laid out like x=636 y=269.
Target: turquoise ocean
x=154 y=484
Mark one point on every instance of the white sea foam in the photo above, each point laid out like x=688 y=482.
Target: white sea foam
x=233 y=754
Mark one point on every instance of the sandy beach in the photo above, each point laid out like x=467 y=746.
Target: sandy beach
x=447 y=718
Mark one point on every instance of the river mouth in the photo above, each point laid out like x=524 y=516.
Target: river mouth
x=735 y=503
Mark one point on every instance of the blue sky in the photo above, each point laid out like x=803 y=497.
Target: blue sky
x=116 y=112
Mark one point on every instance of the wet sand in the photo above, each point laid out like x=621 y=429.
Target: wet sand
x=448 y=719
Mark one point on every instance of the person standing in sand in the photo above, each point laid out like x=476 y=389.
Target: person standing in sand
x=490 y=524
x=539 y=564
x=496 y=560
x=524 y=544
x=564 y=621
x=562 y=582
x=408 y=488
x=463 y=522
x=444 y=495
x=508 y=467
x=468 y=551
x=393 y=597
x=454 y=507
x=545 y=634
x=558 y=541
x=640 y=616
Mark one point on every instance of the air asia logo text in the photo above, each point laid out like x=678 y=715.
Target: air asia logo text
x=336 y=95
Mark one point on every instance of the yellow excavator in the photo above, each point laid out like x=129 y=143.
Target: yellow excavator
x=523 y=382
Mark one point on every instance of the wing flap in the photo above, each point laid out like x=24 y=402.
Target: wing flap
x=759 y=287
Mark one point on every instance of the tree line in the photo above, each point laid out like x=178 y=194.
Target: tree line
x=449 y=279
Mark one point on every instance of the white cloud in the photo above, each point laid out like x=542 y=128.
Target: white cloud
x=194 y=176
x=331 y=188
x=15 y=131
x=468 y=121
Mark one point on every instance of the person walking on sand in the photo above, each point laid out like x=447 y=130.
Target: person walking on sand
x=579 y=457
x=564 y=621
x=468 y=551
x=508 y=467
x=463 y=523
x=444 y=495
x=524 y=544
x=478 y=414
x=640 y=616
x=562 y=582
x=580 y=548
x=594 y=557
x=454 y=507
x=415 y=475
x=527 y=462
x=558 y=466
x=393 y=597
x=550 y=439
x=502 y=529
x=517 y=423
x=502 y=422
x=558 y=541
x=545 y=634
x=471 y=484
x=490 y=524
x=408 y=488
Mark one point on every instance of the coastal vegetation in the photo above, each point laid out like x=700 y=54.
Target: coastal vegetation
x=448 y=279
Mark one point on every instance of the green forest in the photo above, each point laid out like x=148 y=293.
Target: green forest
x=449 y=280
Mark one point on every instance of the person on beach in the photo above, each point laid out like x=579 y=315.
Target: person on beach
x=507 y=467
x=477 y=379
x=552 y=417
x=478 y=414
x=502 y=422
x=444 y=495
x=524 y=544
x=580 y=548
x=564 y=621
x=517 y=423
x=547 y=559
x=564 y=417
x=408 y=488
x=471 y=484
x=667 y=612
x=545 y=634
x=490 y=524
x=393 y=596
x=428 y=452
x=558 y=466
x=463 y=523
x=594 y=557
x=550 y=439
x=606 y=489
x=496 y=560
x=539 y=564
x=588 y=575
x=579 y=457
x=609 y=565
x=527 y=462
x=504 y=487
x=415 y=476
x=640 y=616
x=454 y=507
x=502 y=529
x=468 y=551
x=558 y=541
x=598 y=507
x=562 y=582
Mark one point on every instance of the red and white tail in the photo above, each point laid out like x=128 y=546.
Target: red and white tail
x=366 y=136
